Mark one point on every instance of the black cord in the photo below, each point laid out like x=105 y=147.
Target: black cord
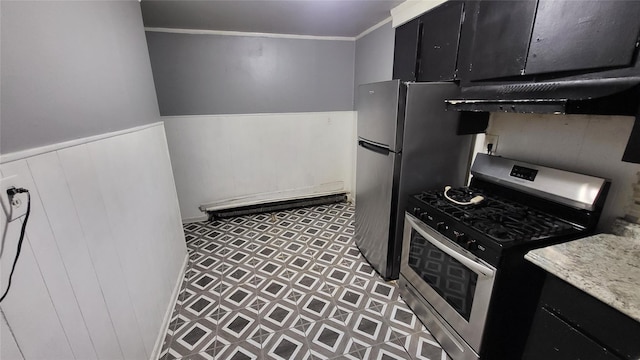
x=22 y=231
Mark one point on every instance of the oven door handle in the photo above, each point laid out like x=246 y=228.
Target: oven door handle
x=470 y=263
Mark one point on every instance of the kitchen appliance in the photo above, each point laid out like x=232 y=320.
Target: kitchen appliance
x=406 y=142
x=463 y=270
x=611 y=96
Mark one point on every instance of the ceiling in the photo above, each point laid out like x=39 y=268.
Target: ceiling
x=346 y=18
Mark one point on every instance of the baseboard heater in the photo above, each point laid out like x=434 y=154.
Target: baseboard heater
x=276 y=206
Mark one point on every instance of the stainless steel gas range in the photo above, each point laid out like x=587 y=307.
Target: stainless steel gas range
x=463 y=270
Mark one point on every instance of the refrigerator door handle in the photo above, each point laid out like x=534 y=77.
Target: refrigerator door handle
x=374 y=148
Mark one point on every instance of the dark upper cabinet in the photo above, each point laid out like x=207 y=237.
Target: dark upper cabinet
x=426 y=48
x=439 y=44
x=580 y=35
x=405 y=53
x=490 y=41
x=532 y=40
x=500 y=38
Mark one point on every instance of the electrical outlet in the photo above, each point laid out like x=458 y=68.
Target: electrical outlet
x=17 y=207
x=491 y=139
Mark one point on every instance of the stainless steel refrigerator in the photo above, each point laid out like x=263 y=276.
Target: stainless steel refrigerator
x=407 y=143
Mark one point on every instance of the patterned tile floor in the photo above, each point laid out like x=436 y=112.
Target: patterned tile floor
x=289 y=285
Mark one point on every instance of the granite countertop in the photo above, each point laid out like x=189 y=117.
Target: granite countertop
x=604 y=266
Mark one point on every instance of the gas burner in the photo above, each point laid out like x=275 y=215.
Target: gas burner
x=493 y=229
x=499 y=218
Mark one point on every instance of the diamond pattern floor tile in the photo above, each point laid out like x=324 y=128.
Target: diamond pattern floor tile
x=422 y=346
x=288 y=285
x=387 y=351
x=328 y=338
x=288 y=344
x=368 y=327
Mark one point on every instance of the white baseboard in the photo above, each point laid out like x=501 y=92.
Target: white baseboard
x=195 y=219
x=167 y=316
x=333 y=188
x=351 y=198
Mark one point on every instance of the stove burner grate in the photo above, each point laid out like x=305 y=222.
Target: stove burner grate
x=501 y=219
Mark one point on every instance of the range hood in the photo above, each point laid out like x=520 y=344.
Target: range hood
x=604 y=96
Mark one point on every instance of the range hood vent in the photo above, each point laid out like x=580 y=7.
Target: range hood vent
x=609 y=96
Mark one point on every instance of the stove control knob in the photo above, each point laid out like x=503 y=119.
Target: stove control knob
x=442 y=227
x=416 y=211
x=461 y=238
x=472 y=245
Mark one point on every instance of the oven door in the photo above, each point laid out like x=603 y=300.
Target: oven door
x=454 y=282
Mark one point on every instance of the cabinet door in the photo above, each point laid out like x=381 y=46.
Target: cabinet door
x=439 y=46
x=405 y=53
x=501 y=38
x=551 y=338
x=613 y=329
x=577 y=35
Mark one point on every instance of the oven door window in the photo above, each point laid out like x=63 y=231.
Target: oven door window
x=447 y=276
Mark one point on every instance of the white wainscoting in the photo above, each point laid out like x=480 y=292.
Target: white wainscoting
x=8 y=347
x=104 y=250
x=236 y=159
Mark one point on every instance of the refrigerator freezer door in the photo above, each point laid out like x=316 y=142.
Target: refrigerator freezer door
x=378 y=117
x=374 y=194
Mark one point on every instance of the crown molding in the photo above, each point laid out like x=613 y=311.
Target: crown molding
x=374 y=27
x=252 y=34
x=411 y=9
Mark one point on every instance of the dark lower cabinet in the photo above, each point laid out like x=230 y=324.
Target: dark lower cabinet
x=572 y=325
x=554 y=339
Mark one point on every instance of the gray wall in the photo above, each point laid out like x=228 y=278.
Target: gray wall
x=71 y=69
x=374 y=56
x=197 y=74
